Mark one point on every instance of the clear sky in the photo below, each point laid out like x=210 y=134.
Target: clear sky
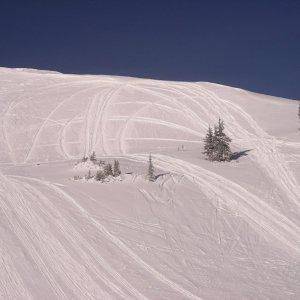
x=253 y=44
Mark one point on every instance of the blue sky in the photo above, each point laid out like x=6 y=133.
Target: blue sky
x=249 y=44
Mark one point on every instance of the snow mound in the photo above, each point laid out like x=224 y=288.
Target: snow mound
x=88 y=165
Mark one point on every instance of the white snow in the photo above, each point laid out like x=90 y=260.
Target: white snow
x=202 y=231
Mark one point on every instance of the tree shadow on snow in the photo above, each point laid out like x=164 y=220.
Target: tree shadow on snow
x=162 y=174
x=237 y=155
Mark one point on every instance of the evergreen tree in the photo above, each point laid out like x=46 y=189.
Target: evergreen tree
x=150 y=174
x=93 y=157
x=84 y=159
x=108 y=171
x=101 y=162
x=209 y=144
x=100 y=176
x=116 y=171
x=221 y=147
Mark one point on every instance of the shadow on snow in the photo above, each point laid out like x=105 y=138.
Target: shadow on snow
x=237 y=155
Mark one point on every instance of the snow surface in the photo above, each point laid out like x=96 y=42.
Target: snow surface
x=202 y=231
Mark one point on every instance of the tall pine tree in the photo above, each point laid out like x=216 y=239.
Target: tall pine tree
x=221 y=143
x=217 y=144
x=209 y=144
x=150 y=173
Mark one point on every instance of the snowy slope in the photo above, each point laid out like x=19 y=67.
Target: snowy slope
x=202 y=231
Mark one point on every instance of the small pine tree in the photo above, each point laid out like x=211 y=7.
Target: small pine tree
x=93 y=157
x=84 y=159
x=101 y=162
x=108 y=171
x=150 y=173
x=116 y=171
x=221 y=144
x=209 y=144
x=100 y=176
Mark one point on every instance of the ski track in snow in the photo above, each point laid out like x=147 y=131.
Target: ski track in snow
x=267 y=153
x=256 y=211
x=266 y=148
x=101 y=229
x=66 y=266
x=99 y=96
x=49 y=117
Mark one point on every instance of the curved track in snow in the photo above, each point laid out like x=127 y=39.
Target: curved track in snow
x=62 y=117
x=217 y=188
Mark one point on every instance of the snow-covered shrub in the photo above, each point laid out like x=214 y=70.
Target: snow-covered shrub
x=116 y=170
x=98 y=171
x=100 y=176
x=108 y=171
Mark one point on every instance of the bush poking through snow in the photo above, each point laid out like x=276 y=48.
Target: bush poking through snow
x=76 y=177
x=98 y=170
x=101 y=163
x=116 y=170
x=100 y=176
x=108 y=171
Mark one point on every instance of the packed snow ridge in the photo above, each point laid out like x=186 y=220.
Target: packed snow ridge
x=202 y=230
